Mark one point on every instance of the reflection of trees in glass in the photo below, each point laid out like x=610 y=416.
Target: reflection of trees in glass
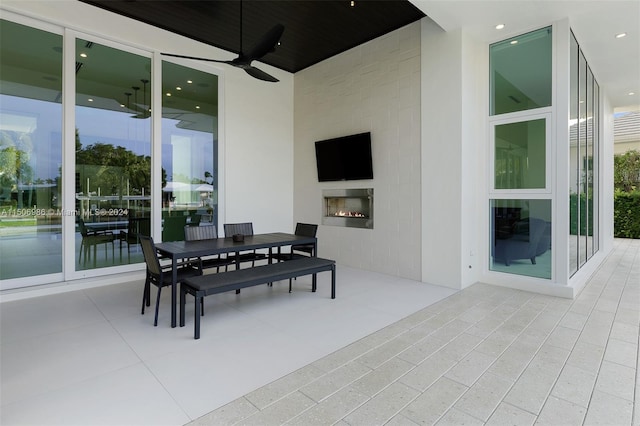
x=15 y=153
x=114 y=169
x=115 y=163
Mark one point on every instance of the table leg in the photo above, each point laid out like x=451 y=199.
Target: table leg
x=182 y=303
x=314 y=278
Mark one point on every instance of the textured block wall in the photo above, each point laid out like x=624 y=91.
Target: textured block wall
x=374 y=87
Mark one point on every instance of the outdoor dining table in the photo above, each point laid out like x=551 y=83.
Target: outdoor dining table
x=177 y=250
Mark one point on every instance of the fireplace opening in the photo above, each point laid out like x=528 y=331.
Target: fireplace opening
x=348 y=207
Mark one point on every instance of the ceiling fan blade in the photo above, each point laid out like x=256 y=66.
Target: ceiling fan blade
x=266 y=44
x=259 y=74
x=196 y=58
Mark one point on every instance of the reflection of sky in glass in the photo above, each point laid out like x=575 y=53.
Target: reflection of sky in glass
x=46 y=135
x=100 y=126
x=122 y=130
x=201 y=144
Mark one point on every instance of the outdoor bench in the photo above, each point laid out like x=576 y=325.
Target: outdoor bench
x=206 y=285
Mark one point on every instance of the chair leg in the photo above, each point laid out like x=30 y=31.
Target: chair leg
x=155 y=321
x=145 y=295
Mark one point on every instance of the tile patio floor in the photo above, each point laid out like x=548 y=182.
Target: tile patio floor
x=386 y=351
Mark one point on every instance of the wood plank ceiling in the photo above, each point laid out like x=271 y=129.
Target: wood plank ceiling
x=314 y=29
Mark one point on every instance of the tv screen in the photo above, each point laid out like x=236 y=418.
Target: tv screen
x=344 y=158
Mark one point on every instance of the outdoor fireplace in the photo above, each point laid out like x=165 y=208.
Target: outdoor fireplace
x=348 y=207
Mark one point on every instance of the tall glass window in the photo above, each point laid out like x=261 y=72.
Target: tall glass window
x=189 y=149
x=584 y=142
x=520 y=227
x=574 y=158
x=520 y=72
x=30 y=152
x=113 y=155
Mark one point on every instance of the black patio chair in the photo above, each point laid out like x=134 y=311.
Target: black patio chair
x=161 y=275
x=207 y=232
x=246 y=228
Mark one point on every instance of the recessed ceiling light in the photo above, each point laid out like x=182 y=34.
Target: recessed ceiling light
x=353 y=3
x=90 y=99
x=514 y=42
x=168 y=93
x=178 y=88
x=190 y=81
x=621 y=35
x=499 y=26
x=632 y=93
x=83 y=55
x=197 y=106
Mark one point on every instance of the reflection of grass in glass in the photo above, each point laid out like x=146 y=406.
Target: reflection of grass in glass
x=11 y=222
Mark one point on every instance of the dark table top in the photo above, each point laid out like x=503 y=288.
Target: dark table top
x=182 y=249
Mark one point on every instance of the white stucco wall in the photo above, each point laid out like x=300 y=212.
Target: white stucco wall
x=442 y=176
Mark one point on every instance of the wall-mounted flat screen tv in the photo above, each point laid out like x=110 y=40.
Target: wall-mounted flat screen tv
x=344 y=158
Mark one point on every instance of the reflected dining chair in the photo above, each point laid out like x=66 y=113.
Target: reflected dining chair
x=161 y=275
x=136 y=226
x=91 y=238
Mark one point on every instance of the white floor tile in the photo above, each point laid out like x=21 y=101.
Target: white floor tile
x=129 y=396
x=38 y=365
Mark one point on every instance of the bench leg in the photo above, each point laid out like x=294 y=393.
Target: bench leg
x=314 y=283
x=196 y=325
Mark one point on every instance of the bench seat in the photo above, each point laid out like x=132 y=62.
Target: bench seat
x=206 y=285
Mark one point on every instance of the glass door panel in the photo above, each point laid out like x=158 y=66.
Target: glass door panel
x=113 y=155
x=189 y=149
x=30 y=152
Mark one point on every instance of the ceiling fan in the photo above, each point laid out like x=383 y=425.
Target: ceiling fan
x=266 y=44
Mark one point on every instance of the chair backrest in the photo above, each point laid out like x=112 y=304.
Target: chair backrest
x=238 y=228
x=193 y=233
x=306 y=229
x=150 y=255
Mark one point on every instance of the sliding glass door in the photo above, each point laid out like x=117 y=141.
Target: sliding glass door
x=189 y=149
x=112 y=155
x=90 y=224
x=30 y=152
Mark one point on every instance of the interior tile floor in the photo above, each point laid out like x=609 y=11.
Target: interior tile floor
x=385 y=351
